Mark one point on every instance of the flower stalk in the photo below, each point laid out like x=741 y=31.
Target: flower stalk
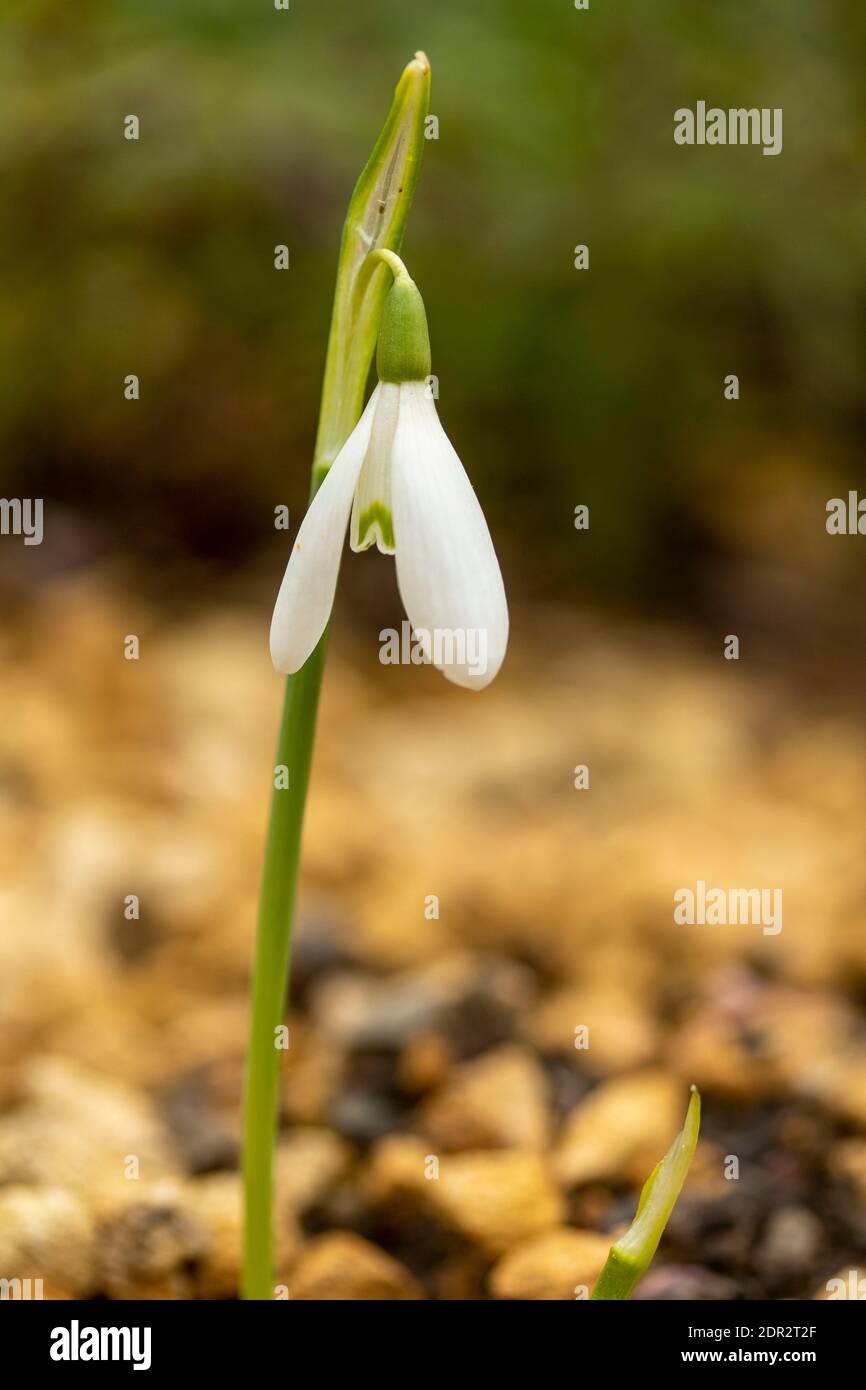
x=375 y=222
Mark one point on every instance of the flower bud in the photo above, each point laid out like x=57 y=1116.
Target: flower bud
x=403 y=353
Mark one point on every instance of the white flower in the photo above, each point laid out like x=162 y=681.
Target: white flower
x=406 y=489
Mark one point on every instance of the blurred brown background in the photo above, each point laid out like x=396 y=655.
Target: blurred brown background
x=416 y=1036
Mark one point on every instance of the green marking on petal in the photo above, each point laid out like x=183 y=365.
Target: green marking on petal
x=376 y=515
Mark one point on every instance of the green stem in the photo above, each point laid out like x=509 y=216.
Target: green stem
x=398 y=269
x=376 y=218
x=272 y=962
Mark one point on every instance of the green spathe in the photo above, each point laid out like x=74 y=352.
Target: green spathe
x=375 y=221
x=403 y=353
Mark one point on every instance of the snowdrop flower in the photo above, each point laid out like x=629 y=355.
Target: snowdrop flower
x=401 y=480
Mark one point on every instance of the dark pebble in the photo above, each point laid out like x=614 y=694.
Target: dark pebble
x=319 y=947
x=365 y=1116
x=204 y=1143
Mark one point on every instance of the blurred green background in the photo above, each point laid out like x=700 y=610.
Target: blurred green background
x=558 y=386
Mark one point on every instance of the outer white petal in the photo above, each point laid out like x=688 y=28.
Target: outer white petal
x=372 y=503
x=447 y=570
x=306 y=594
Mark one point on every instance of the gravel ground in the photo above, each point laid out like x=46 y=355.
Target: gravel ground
x=468 y=920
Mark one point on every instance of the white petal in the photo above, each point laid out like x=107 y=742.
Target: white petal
x=371 y=511
x=306 y=594
x=447 y=569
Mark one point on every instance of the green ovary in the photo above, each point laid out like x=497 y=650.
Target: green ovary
x=377 y=514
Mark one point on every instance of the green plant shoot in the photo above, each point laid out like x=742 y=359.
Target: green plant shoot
x=633 y=1253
